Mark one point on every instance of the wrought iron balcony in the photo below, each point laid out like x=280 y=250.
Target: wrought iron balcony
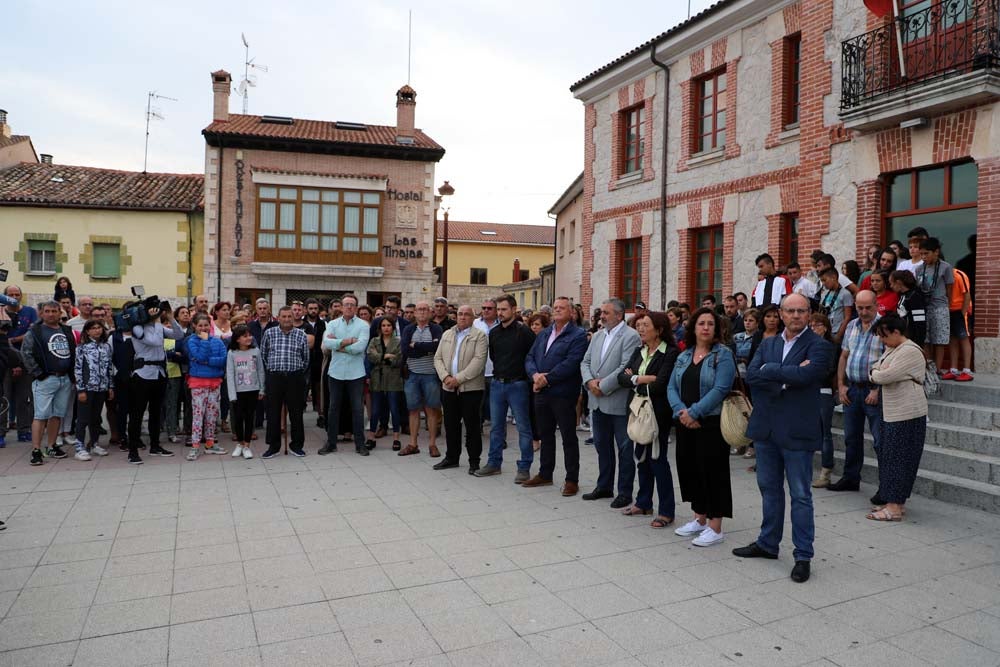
x=929 y=42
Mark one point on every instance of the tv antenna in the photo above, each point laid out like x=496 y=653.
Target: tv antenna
x=152 y=113
x=249 y=80
x=409 y=46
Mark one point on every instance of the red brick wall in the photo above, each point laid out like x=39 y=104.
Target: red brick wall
x=779 y=74
x=987 y=304
x=895 y=149
x=587 y=226
x=953 y=135
x=869 y=225
x=629 y=97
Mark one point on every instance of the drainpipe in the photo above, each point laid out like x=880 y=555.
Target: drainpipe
x=218 y=225
x=189 y=279
x=663 y=176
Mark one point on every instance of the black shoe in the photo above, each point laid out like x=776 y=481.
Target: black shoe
x=3 y=526
x=753 y=550
x=328 y=449
x=800 y=573
x=473 y=467
x=597 y=494
x=369 y=444
x=134 y=459
x=589 y=441
x=56 y=452
x=396 y=445
x=123 y=446
x=270 y=453
x=102 y=430
x=444 y=464
x=877 y=499
x=321 y=422
x=844 y=484
x=620 y=502
x=159 y=451
x=36 y=457
x=297 y=452
x=363 y=451
x=141 y=445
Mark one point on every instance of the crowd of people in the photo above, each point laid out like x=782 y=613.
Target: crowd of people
x=865 y=337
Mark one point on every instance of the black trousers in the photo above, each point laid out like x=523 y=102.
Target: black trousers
x=463 y=408
x=289 y=390
x=89 y=414
x=122 y=404
x=244 y=409
x=554 y=412
x=145 y=394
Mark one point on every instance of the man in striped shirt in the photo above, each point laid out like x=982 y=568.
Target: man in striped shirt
x=423 y=388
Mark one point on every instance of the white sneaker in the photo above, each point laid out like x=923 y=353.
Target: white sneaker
x=691 y=528
x=59 y=441
x=237 y=451
x=707 y=538
x=70 y=440
x=100 y=451
x=82 y=455
x=214 y=449
x=247 y=453
x=173 y=438
x=193 y=454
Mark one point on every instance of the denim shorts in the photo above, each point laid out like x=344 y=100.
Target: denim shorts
x=423 y=390
x=51 y=396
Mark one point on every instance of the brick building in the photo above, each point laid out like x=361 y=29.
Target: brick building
x=789 y=126
x=297 y=208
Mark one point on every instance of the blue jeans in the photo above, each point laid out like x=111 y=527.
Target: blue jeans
x=655 y=472
x=826 y=419
x=422 y=390
x=855 y=415
x=354 y=391
x=774 y=466
x=609 y=431
x=384 y=404
x=515 y=396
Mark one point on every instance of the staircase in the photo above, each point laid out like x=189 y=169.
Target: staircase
x=961 y=460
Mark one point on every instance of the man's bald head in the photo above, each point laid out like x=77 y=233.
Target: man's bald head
x=864 y=303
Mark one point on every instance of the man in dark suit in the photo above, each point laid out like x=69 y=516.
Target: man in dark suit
x=553 y=366
x=786 y=375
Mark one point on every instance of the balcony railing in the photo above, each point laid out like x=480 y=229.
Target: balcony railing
x=934 y=41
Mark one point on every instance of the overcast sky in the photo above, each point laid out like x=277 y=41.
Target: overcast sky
x=492 y=79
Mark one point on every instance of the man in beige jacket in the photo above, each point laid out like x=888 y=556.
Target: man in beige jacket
x=460 y=362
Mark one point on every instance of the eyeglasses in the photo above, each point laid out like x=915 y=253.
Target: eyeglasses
x=488 y=308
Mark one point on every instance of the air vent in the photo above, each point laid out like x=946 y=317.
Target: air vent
x=343 y=125
x=486 y=232
x=276 y=120
x=405 y=141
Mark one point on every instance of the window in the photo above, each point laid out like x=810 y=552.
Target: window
x=630 y=271
x=942 y=199
x=793 y=68
x=477 y=277
x=790 y=237
x=562 y=241
x=572 y=235
x=107 y=260
x=320 y=226
x=633 y=139
x=41 y=256
x=707 y=263
x=710 y=112
x=523 y=273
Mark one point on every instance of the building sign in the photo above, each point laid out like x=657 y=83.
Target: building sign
x=402 y=248
x=403 y=196
x=239 y=208
x=406 y=216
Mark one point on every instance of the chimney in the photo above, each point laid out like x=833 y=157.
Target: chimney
x=45 y=158
x=222 y=83
x=517 y=271
x=4 y=127
x=406 y=104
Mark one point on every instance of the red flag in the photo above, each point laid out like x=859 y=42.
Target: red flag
x=879 y=7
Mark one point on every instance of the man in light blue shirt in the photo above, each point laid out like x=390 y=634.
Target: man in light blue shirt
x=347 y=340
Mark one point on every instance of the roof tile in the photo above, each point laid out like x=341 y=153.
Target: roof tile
x=503 y=233
x=315 y=130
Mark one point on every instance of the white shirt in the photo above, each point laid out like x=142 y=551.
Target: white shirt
x=556 y=330
x=788 y=344
x=460 y=335
x=610 y=337
x=805 y=287
x=486 y=328
x=778 y=287
x=909 y=265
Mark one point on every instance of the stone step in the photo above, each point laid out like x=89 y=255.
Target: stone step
x=954 y=462
x=982 y=417
x=984 y=390
x=941 y=486
x=952 y=436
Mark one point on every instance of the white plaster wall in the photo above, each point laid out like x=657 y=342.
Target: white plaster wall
x=749 y=239
x=840 y=185
x=849 y=20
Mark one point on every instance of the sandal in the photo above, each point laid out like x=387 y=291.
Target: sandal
x=879 y=508
x=883 y=515
x=633 y=510
x=409 y=449
x=396 y=445
x=435 y=453
x=661 y=522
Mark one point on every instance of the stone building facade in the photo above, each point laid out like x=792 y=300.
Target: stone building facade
x=789 y=128
x=568 y=212
x=297 y=208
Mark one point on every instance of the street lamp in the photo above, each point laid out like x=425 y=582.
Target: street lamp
x=445 y=191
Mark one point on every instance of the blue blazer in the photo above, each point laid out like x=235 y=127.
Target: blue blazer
x=786 y=398
x=561 y=362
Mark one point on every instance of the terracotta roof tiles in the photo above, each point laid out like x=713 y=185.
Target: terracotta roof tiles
x=502 y=233
x=90 y=187
x=316 y=130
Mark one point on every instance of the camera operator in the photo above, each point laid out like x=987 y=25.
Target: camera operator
x=148 y=382
x=47 y=351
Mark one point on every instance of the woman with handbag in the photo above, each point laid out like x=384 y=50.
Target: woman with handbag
x=900 y=372
x=647 y=374
x=702 y=378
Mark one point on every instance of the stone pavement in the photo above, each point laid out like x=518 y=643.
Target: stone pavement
x=381 y=560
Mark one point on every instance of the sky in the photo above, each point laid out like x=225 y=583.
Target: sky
x=492 y=80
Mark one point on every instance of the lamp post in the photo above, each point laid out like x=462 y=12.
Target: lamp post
x=445 y=191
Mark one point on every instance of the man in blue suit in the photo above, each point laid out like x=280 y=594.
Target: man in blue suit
x=553 y=366
x=785 y=376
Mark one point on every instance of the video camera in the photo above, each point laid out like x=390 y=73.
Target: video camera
x=139 y=313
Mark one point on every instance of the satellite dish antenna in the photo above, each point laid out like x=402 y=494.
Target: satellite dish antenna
x=249 y=80
x=152 y=113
